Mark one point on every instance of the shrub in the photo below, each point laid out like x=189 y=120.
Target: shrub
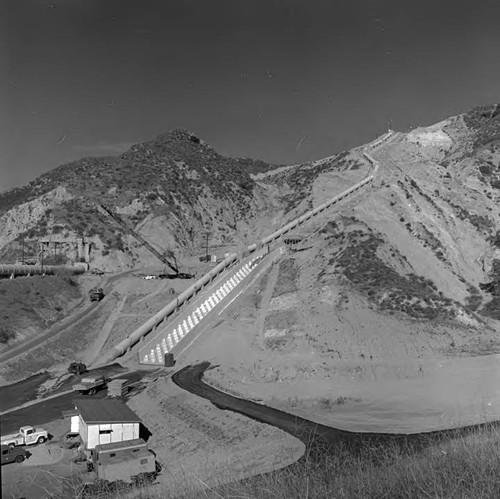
x=6 y=334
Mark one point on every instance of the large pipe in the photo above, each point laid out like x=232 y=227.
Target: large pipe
x=8 y=269
x=151 y=323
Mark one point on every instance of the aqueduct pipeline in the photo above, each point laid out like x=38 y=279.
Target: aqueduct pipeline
x=27 y=270
x=233 y=258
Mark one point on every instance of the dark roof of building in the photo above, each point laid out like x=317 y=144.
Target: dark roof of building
x=105 y=411
x=68 y=414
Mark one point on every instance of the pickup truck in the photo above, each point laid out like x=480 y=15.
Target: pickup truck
x=27 y=436
x=14 y=454
x=90 y=385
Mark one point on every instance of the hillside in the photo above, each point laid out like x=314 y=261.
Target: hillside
x=392 y=281
x=416 y=256
x=171 y=190
x=382 y=318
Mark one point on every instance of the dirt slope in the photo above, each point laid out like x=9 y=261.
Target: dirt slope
x=393 y=281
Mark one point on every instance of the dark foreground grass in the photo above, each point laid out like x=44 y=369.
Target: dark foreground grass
x=466 y=466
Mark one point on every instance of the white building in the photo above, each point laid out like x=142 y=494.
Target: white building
x=103 y=421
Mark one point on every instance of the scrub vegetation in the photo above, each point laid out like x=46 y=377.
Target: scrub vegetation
x=358 y=261
x=457 y=467
x=460 y=468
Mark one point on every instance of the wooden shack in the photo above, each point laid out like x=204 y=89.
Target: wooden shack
x=105 y=421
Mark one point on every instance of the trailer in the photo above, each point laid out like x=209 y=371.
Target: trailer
x=119 y=466
x=90 y=385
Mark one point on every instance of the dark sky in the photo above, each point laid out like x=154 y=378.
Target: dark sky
x=281 y=80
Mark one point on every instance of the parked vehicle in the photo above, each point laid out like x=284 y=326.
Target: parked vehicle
x=119 y=466
x=27 y=436
x=96 y=294
x=14 y=454
x=90 y=385
x=77 y=368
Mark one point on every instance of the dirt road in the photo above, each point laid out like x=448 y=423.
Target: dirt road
x=317 y=437
x=51 y=410
x=84 y=310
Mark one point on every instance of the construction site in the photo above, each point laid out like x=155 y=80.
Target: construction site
x=273 y=336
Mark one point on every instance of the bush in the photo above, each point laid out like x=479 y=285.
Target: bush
x=492 y=309
x=6 y=334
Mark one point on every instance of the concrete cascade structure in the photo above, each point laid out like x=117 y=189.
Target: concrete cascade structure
x=164 y=341
x=153 y=353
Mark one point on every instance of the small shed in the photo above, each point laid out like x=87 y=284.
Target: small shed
x=104 y=421
x=117 y=388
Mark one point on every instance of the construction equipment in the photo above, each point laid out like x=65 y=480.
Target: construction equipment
x=171 y=262
x=96 y=294
x=77 y=368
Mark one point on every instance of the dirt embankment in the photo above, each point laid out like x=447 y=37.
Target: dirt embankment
x=198 y=445
x=28 y=305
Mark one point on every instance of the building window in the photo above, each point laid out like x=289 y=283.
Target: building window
x=113 y=454
x=144 y=461
x=105 y=432
x=136 y=450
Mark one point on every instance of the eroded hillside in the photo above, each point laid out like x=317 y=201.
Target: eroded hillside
x=400 y=276
x=172 y=190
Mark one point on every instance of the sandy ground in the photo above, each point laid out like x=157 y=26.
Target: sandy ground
x=128 y=303
x=202 y=444
x=401 y=388
x=43 y=473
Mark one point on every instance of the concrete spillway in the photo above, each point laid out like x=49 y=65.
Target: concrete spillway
x=9 y=270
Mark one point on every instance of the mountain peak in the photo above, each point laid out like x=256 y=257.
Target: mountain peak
x=178 y=139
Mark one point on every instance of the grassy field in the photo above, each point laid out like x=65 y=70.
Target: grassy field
x=463 y=467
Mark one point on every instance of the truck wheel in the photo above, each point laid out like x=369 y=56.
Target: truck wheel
x=40 y=440
x=19 y=459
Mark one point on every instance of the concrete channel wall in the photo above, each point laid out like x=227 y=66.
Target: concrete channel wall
x=165 y=340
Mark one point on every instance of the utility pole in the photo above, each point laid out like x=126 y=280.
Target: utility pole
x=207 y=235
x=22 y=249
